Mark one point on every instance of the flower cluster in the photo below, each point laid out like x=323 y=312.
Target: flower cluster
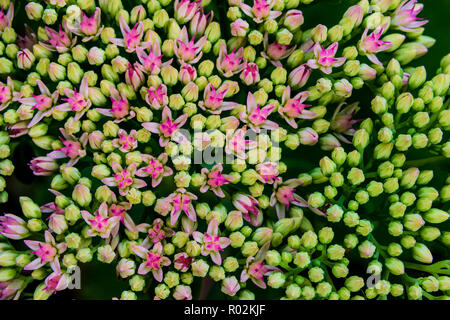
x=260 y=151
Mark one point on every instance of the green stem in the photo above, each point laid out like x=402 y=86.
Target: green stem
x=421 y=162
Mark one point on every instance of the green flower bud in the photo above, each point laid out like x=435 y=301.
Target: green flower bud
x=366 y=249
x=276 y=280
x=230 y=264
x=335 y=252
x=316 y=199
x=430 y=233
x=421 y=253
x=355 y=176
x=29 y=208
x=309 y=240
x=436 y=216
x=354 y=283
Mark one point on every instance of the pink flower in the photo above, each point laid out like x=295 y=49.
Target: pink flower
x=73 y=148
x=134 y=75
x=185 y=10
x=292 y=109
x=18 y=129
x=211 y=242
x=100 y=223
x=342 y=121
x=230 y=286
x=57 y=280
x=7 y=93
x=284 y=195
x=256 y=117
x=43 y=102
x=120 y=108
x=181 y=201
x=120 y=210
x=275 y=52
x=60 y=41
x=261 y=10
x=213 y=99
x=186 y=50
x=299 y=76
x=248 y=205
x=168 y=128
x=405 y=16
x=214 y=179
x=6 y=19
x=76 y=101
x=156 y=232
x=89 y=27
x=46 y=252
x=157 y=97
x=13 y=227
x=200 y=21
x=155 y=168
x=239 y=28
x=293 y=19
x=231 y=63
x=268 y=172
x=43 y=166
x=13 y=288
x=151 y=61
x=236 y=143
x=154 y=260
x=324 y=58
x=182 y=293
x=250 y=74
x=126 y=142
x=131 y=37
x=124 y=178
x=372 y=44
x=187 y=73
x=182 y=262
x=355 y=14
x=255 y=269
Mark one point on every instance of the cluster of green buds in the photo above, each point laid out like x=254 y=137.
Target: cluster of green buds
x=195 y=145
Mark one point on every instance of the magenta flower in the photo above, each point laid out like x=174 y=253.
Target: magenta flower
x=43 y=102
x=236 y=143
x=256 y=117
x=255 y=269
x=131 y=37
x=43 y=166
x=342 y=121
x=76 y=101
x=405 y=16
x=293 y=108
x=185 y=10
x=88 y=27
x=155 y=168
x=125 y=142
x=73 y=148
x=13 y=227
x=186 y=50
x=261 y=10
x=134 y=75
x=268 y=172
x=60 y=41
x=250 y=74
x=100 y=223
x=187 y=73
x=213 y=99
x=154 y=260
x=212 y=243
x=120 y=109
x=275 y=52
x=284 y=195
x=18 y=129
x=168 y=128
x=249 y=207
x=157 y=97
x=124 y=178
x=324 y=58
x=181 y=201
x=7 y=93
x=151 y=61
x=214 y=179
x=46 y=252
x=231 y=63
x=182 y=261
x=6 y=19
x=371 y=44
x=56 y=281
